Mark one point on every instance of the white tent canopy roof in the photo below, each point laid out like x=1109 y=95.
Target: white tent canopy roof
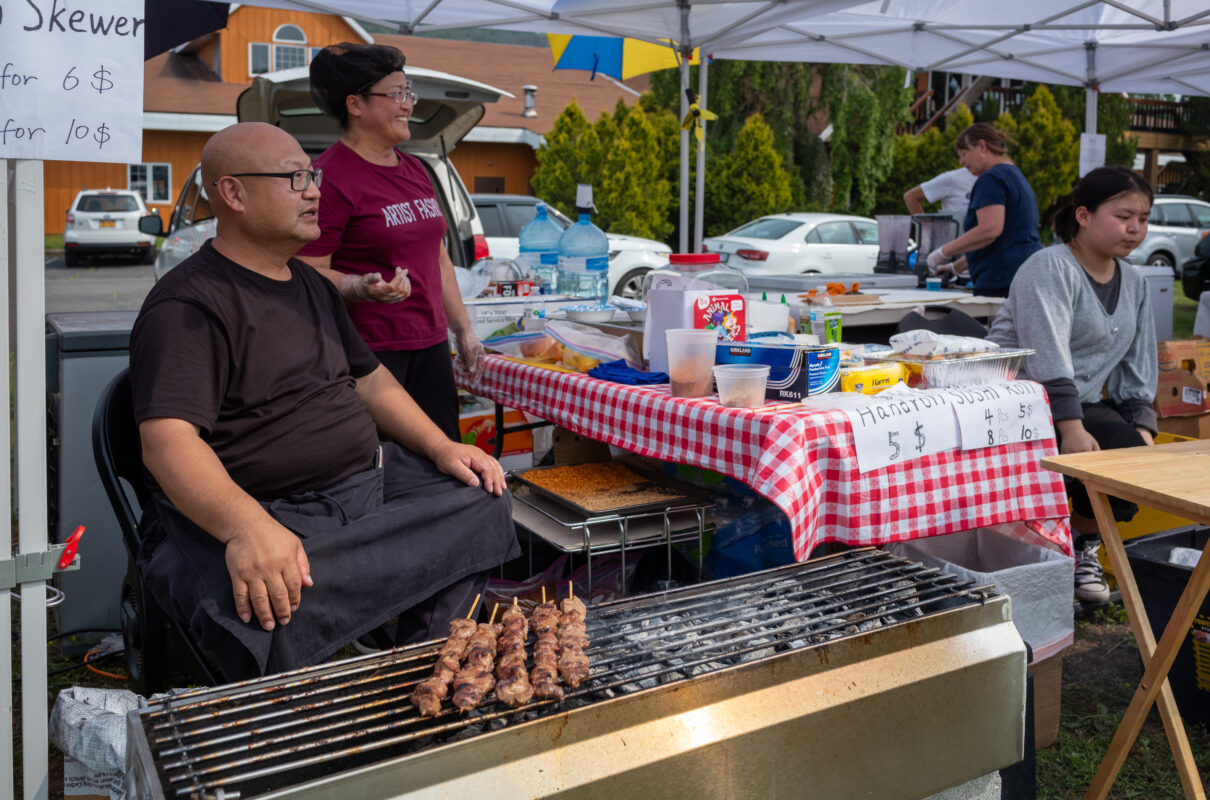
x=1160 y=46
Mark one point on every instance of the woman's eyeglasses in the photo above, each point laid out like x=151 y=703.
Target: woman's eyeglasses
x=400 y=96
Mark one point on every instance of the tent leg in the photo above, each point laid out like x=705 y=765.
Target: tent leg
x=684 y=226
x=699 y=199
x=6 y=640
x=1090 y=111
x=30 y=280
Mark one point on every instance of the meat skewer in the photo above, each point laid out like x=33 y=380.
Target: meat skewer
x=474 y=680
x=512 y=682
x=573 y=640
x=429 y=693
x=545 y=674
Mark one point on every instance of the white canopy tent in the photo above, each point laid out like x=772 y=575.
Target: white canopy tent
x=1148 y=46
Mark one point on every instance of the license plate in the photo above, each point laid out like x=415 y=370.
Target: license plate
x=722 y=257
x=106 y=223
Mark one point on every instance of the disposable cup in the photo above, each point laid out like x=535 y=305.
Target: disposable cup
x=741 y=385
x=690 y=357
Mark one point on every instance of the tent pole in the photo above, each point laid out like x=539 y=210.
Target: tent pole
x=1090 y=90
x=29 y=271
x=699 y=197
x=683 y=237
x=6 y=639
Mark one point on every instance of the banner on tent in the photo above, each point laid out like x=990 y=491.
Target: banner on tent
x=71 y=80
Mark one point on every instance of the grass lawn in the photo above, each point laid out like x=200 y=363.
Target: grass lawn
x=1183 y=311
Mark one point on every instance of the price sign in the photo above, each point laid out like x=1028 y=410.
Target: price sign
x=1001 y=413
x=894 y=429
x=71 y=80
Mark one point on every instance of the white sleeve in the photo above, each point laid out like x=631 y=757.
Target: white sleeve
x=939 y=187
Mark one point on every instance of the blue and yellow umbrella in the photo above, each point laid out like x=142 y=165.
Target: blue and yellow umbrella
x=612 y=55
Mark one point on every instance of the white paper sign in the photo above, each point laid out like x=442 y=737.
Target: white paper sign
x=71 y=80
x=1092 y=152
x=890 y=430
x=1001 y=413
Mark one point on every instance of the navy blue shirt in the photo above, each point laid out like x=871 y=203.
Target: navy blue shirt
x=994 y=266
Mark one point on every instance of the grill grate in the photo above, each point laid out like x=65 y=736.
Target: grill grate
x=247 y=739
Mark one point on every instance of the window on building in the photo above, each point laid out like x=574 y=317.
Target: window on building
x=153 y=181
x=288 y=50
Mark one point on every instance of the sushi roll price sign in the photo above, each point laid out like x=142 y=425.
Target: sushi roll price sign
x=71 y=80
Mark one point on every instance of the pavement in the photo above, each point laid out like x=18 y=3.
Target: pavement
x=108 y=284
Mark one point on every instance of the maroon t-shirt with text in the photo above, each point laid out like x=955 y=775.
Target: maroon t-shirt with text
x=374 y=218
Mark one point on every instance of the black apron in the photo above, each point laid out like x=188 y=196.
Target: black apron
x=378 y=543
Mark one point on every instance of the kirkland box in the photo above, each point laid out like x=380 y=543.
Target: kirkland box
x=795 y=370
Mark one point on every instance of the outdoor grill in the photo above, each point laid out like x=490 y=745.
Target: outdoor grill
x=856 y=675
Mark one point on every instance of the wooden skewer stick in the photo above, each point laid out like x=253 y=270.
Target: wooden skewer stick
x=492 y=618
x=543 y=595
x=571 y=591
x=470 y=613
x=514 y=601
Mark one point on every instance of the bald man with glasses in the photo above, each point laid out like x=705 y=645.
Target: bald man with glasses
x=280 y=528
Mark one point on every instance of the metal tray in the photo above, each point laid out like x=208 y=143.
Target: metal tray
x=685 y=495
x=958 y=369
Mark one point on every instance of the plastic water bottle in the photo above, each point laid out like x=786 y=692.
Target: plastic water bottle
x=583 y=253
x=539 y=242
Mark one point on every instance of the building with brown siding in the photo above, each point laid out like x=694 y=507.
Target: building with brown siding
x=190 y=93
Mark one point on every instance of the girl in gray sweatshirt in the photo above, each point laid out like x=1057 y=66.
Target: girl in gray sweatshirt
x=1087 y=314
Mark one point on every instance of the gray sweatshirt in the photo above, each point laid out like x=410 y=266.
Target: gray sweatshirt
x=1082 y=349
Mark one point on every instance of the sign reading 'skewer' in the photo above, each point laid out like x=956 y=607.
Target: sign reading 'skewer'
x=71 y=80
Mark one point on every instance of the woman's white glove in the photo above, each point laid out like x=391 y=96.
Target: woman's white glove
x=470 y=352
x=371 y=286
x=936 y=260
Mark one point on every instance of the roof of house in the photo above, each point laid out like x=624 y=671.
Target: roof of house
x=180 y=83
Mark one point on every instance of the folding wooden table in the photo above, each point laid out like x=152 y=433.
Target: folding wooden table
x=1173 y=478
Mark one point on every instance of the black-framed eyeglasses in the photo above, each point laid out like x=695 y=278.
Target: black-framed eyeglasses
x=400 y=96
x=300 y=179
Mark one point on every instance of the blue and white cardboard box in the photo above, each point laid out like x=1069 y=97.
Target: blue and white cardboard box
x=795 y=370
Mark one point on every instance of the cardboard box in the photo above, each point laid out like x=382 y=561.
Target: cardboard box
x=1184 y=378
x=795 y=371
x=1194 y=427
x=490 y=314
x=1048 y=695
x=478 y=427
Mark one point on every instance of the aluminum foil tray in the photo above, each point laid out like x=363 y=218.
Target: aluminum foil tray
x=959 y=369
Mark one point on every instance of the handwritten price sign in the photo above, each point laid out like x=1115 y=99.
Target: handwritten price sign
x=1002 y=413
x=71 y=80
x=893 y=429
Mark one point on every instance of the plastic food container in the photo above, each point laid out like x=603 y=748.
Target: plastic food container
x=690 y=357
x=741 y=385
x=589 y=313
x=957 y=369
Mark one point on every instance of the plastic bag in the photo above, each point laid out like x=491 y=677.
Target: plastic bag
x=590 y=344
x=921 y=342
x=471 y=284
x=89 y=726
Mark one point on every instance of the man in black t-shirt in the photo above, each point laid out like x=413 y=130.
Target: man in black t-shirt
x=259 y=408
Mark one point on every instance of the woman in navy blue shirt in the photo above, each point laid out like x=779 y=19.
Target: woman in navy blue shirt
x=1002 y=220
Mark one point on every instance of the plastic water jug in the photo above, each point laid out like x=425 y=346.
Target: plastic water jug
x=583 y=253
x=539 y=242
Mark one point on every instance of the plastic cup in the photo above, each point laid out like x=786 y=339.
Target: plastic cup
x=690 y=357
x=741 y=385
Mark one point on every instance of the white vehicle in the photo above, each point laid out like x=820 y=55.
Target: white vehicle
x=792 y=244
x=106 y=222
x=448 y=108
x=630 y=257
x=1174 y=229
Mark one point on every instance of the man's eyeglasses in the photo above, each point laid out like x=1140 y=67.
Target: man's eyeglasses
x=400 y=96
x=299 y=179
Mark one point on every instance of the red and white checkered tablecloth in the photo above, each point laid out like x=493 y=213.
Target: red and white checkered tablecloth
x=802 y=460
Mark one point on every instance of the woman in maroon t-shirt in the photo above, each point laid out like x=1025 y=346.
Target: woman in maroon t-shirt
x=381 y=229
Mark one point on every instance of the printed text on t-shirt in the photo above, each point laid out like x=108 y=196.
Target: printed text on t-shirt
x=406 y=212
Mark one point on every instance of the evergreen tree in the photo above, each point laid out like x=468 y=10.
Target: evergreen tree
x=1045 y=146
x=918 y=158
x=633 y=194
x=1113 y=120
x=560 y=160
x=748 y=182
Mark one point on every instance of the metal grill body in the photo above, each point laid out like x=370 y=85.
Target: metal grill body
x=858 y=675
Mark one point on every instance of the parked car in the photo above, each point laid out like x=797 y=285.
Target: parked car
x=1195 y=273
x=1172 y=231
x=106 y=222
x=448 y=108
x=800 y=242
x=630 y=257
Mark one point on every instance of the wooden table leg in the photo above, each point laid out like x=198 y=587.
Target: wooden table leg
x=1157 y=660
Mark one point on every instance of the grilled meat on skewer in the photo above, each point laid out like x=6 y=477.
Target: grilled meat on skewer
x=474 y=680
x=573 y=642
x=574 y=605
x=428 y=694
x=573 y=665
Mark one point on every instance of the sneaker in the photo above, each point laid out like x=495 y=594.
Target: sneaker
x=1090 y=585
